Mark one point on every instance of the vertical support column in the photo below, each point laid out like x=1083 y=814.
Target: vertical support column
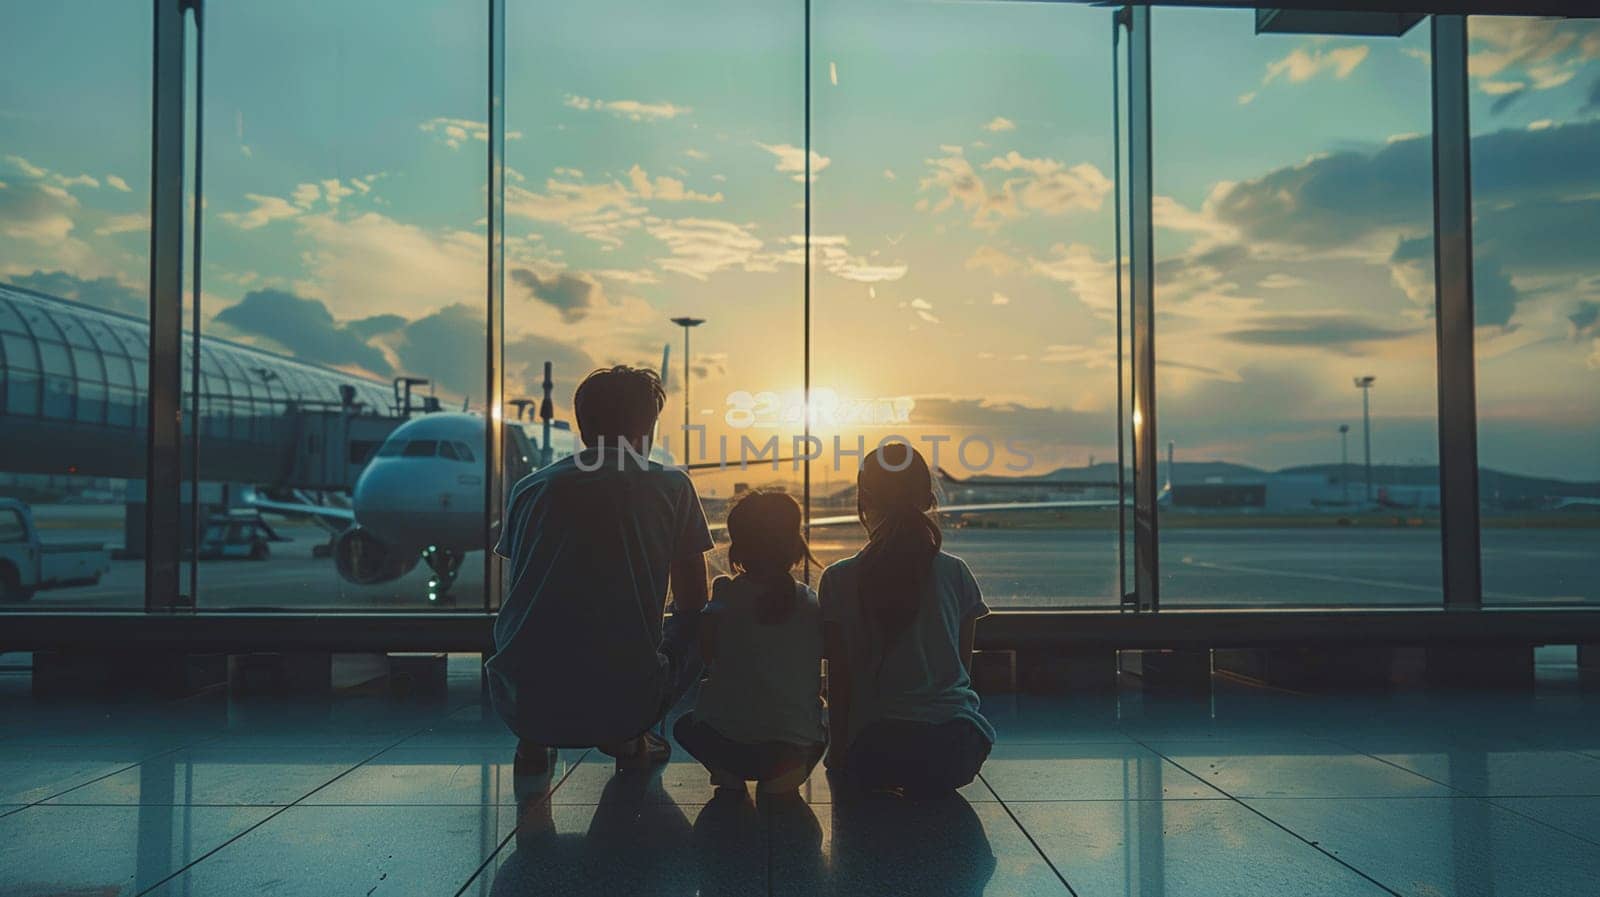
x=163 y=458
x=1141 y=252
x=1452 y=259
x=494 y=388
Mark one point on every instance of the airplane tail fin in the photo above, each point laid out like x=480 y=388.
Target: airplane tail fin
x=666 y=353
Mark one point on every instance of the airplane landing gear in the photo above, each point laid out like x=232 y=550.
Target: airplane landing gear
x=445 y=564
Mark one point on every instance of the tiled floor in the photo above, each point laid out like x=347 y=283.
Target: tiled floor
x=1247 y=792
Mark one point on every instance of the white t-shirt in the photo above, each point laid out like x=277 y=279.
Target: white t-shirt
x=921 y=678
x=766 y=682
x=577 y=659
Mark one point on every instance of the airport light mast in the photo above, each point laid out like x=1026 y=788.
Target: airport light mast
x=1365 y=385
x=1344 y=460
x=687 y=324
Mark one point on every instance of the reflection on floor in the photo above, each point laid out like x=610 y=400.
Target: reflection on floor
x=1247 y=792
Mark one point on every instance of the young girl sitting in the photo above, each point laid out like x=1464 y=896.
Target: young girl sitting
x=759 y=716
x=898 y=621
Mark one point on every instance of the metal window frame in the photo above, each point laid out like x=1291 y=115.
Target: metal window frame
x=163 y=458
x=494 y=390
x=1461 y=553
x=1141 y=281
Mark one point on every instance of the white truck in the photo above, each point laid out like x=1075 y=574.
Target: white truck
x=28 y=565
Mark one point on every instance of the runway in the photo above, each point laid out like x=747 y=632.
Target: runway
x=1039 y=567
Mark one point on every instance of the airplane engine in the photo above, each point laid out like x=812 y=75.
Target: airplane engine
x=365 y=560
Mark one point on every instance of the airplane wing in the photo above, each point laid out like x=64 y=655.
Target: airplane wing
x=337 y=517
x=958 y=510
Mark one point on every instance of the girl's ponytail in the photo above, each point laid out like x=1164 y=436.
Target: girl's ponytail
x=895 y=499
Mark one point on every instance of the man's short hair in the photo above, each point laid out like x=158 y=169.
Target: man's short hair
x=616 y=403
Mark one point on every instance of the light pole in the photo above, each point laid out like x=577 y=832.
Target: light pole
x=687 y=324
x=1344 y=460
x=1365 y=385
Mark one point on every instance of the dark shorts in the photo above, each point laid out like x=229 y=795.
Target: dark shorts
x=752 y=762
x=919 y=758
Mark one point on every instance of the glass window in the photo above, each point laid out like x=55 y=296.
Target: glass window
x=20 y=354
x=463 y=451
x=1294 y=219
x=12 y=528
x=962 y=212
x=58 y=397
x=22 y=392
x=53 y=358
x=10 y=321
x=1536 y=204
x=421 y=448
x=668 y=186
x=392 y=449
x=448 y=450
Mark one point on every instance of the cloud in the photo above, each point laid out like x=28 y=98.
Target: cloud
x=792 y=159
x=1043 y=185
x=1547 y=52
x=377 y=325
x=700 y=247
x=117 y=183
x=1280 y=281
x=988 y=258
x=1000 y=123
x=305 y=328
x=1051 y=187
x=697 y=155
x=102 y=292
x=1334 y=331
x=453 y=132
x=630 y=109
x=358 y=262
x=833 y=73
x=603 y=211
x=448 y=348
x=131 y=223
x=709 y=364
x=621 y=275
x=267 y=210
x=36 y=212
x=999 y=299
x=1303 y=65
x=832 y=254
x=1092 y=280
x=1585 y=319
x=573 y=295
x=665 y=188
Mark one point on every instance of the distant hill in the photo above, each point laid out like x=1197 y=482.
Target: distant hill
x=1507 y=488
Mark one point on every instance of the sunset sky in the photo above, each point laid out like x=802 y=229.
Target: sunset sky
x=961 y=210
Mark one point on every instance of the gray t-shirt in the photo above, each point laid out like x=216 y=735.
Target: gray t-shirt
x=766 y=682
x=577 y=659
x=921 y=677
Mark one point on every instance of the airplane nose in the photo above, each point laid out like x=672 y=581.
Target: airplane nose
x=387 y=502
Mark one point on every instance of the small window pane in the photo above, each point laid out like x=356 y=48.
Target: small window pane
x=19 y=353
x=421 y=448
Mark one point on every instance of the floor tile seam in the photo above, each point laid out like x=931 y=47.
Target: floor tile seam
x=1388 y=762
x=516 y=825
x=263 y=821
x=1283 y=828
x=1491 y=801
x=1039 y=849
x=118 y=771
